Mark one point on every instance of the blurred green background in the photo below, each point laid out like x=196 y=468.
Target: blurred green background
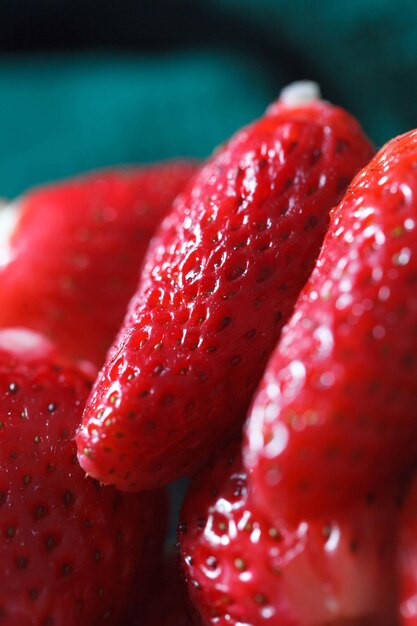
x=89 y=83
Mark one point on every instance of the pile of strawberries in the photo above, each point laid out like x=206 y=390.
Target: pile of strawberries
x=252 y=322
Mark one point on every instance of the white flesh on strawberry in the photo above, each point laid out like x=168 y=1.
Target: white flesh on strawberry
x=300 y=93
x=24 y=343
x=9 y=218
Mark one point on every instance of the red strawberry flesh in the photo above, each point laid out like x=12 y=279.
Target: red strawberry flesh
x=219 y=281
x=71 y=549
x=242 y=570
x=334 y=420
x=72 y=259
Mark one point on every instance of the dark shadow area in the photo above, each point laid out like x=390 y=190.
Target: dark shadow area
x=146 y=26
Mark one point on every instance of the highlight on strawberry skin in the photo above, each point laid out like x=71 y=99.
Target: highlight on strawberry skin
x=241 y=569
x=333 y=421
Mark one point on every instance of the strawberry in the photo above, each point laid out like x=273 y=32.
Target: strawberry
x=242 y=570
x=334 y=420
x=71 y=549
x=407 y=559
x=165 y=602
x=71 y=259
x=218 y=283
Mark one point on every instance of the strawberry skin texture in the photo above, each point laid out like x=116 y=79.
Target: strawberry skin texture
x=334 y=419
x=241 y=569
x=71 y=549
x=219 y=281
x=407 y=559
x=72 y=263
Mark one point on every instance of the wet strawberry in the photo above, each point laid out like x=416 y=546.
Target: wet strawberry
x=242 y=570
x=71 y=257
x=218 y=284
x=334 y=420
x=72 y=552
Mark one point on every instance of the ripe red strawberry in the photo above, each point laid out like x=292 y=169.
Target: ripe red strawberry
x=72 y=261
x=242 y=570
x=219 y=282
x=71 y=549
x=334 y=420
x=407 y=559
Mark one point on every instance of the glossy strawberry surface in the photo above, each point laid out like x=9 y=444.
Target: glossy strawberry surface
x=73 y=258
x=219 y=282
x=72 y=552
x=241 y=569
x=407 y=559
x=334 y=420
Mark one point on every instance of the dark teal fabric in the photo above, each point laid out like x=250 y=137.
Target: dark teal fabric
x=67 y=113
x=363 y=52
x=73 y=96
